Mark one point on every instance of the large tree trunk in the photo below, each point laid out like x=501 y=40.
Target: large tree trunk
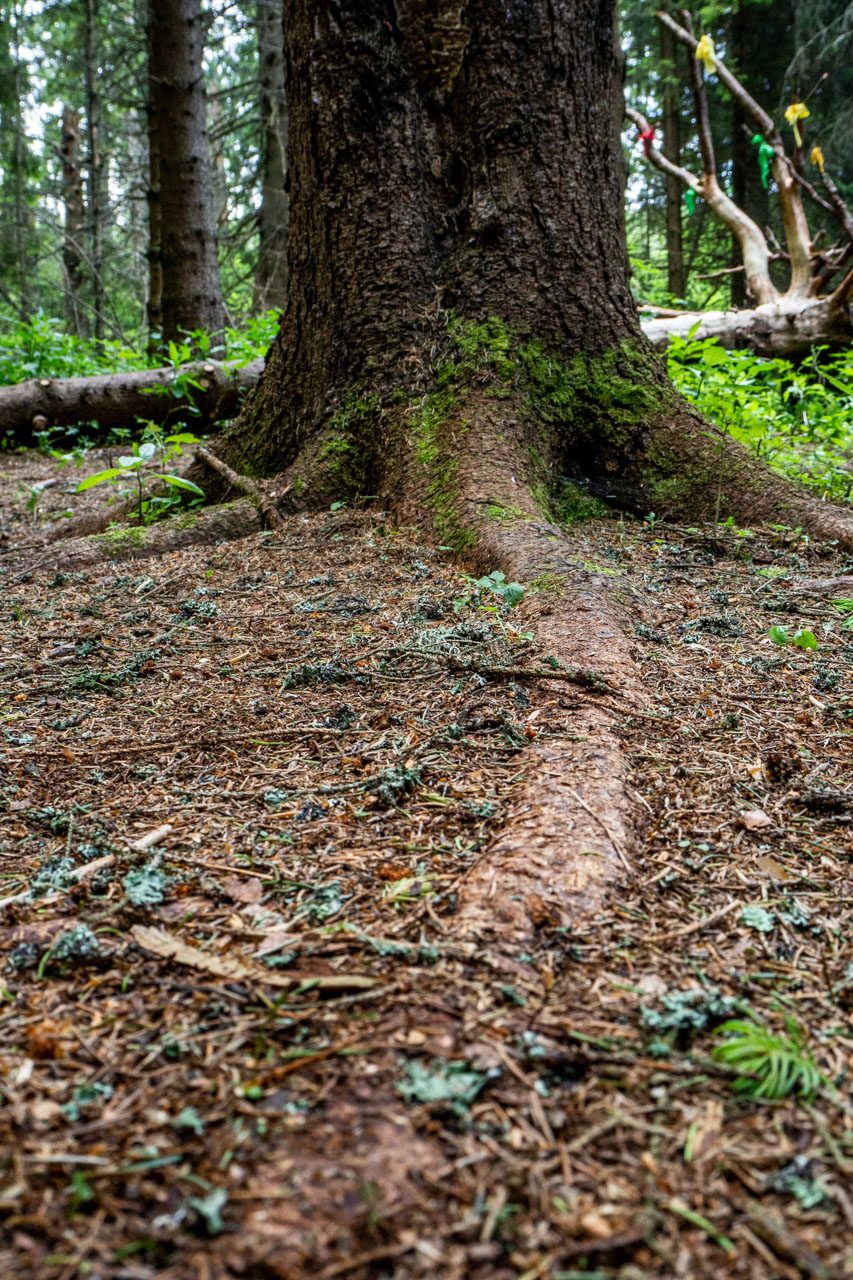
x=459 y=336
x=271 y=269
x=72 y=243
x=181 y=171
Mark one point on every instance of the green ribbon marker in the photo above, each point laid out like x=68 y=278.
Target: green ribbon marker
x=765 y=158
x=690 y=200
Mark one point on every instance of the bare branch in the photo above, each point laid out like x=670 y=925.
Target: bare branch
x=797 y=232
x=659 y=160
x=753 y=246
x=734 y=86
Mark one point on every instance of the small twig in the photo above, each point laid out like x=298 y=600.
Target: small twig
x=786 y=1245
x=695 y=926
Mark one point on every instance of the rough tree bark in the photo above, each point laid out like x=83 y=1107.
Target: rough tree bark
x=72 y=198
x=181 y=171
x=811 y=308
x=94 y=165
x=271 y=271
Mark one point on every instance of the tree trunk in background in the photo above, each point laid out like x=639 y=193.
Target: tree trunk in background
x=671 y=148
x=94 y=166
x=459 y=336
x=22 y=213
x=72 y=196
x=154 y=306
x=761 y=46
x=218 y=172
x=181 y=171
x=271 y=272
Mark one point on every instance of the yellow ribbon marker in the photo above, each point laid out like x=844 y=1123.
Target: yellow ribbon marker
x=796 y=112
x=706 y=54
x=817 y=158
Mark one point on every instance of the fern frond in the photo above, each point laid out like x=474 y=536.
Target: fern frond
x=773 y=1066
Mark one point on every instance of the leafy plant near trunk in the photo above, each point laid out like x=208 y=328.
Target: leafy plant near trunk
x=130 y=470
x=797 y=417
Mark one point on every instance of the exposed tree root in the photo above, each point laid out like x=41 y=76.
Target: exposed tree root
x=213 y=524
x=244 y=485
x=569 y=835
x=483 y=481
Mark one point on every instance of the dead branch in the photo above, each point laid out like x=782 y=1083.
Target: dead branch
x=246 y=486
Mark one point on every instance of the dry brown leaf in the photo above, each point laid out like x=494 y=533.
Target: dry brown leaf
x=243 y=890
x=774 y=869
x=160 y=943
x=704 y=1133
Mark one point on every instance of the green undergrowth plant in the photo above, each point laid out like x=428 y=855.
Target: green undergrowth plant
x=773 y=1066
x=129 y=472
x=797 y=416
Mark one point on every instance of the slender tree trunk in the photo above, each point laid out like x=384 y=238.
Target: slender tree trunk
x=75 y=212
x=271 y=271
x=677 y=281
x=94 y=165
x=22 y=214
x=181 y=174
x=760 y=48
x=154 y=307
x=218 y=173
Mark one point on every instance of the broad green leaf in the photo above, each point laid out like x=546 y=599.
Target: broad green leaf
x=180 y=483
x=127 y=463
x=99 y=478
x=147 y=450
x=779 y=635
x=804 y=639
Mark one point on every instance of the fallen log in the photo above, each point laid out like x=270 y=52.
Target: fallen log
x=116 y=399
x=782 y=328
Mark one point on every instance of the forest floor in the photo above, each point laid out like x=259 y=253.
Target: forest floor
x=242 y=1031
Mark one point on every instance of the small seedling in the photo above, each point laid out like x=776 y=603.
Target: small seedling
x=801 y=639
x=774 y=1066
x=511 y=593
x=130 y=468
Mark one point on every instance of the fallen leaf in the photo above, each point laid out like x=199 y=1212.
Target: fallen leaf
x=703 y=1134
x=774 y=869
x=242 y=890
x=160 y=943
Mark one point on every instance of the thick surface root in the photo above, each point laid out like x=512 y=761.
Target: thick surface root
x=569 y=835
x=127 y=543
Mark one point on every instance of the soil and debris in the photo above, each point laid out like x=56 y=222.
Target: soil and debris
x=241 y=1032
